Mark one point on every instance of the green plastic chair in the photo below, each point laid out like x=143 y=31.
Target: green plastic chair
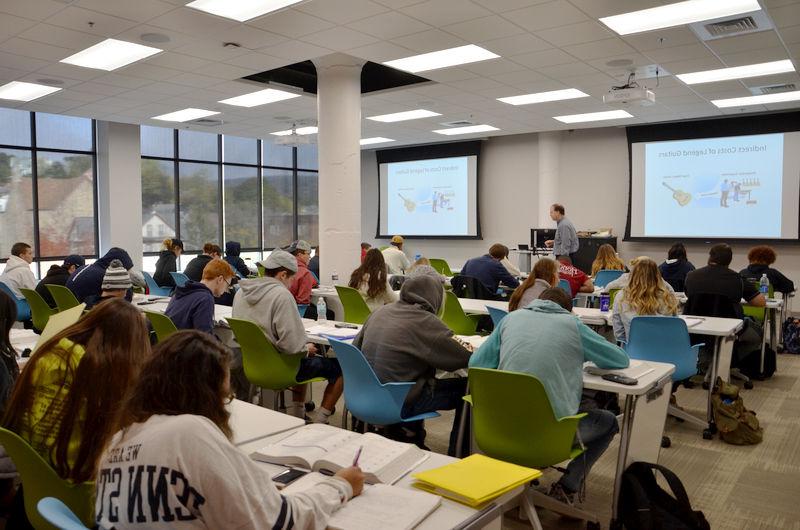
x=39 y=480
x=356 y=309
x=756 y=313
x=64 y=298
x=162 y=324
x=40 y=310
x=612 y=294
x=441 y=266
x=513 y=421
x=264 y=365
x=454 y=317
x=261 y=270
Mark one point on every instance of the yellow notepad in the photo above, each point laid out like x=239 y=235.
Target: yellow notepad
x=474 y=480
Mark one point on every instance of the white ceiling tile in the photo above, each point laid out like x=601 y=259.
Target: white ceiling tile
x=37 y=50
x=754 y=56
x=450 y=75
x=485 y=28
x=428 y=41
x=58 y=36
x=693 y=65
x=212 y=51
x=548 y=15
x=389 y=25
x=493 y=67
x=12 y=74
x=33 y=9
x=712 y=90
x=677 y=53
x=191 y=21
x=342 y=11
x=78 y=19
x=140 y=10
x=11 y=26
x=604 y=8
x=741 y=43
x=543 y=58
x=176 y=39
x=665 y=38
x=501 y=6
x=149 y=71
x=603 y=48
x=516 y=44
x=340 y=38
x=36 y=77
x=790 y=35
x=523 y=77
x=226 y=71
x=588 y=80
x=163 y=88
x=380 y=52
x=443 y=12
x=560 y=71
x=786 y=16
x=122 y=81
x=68 y=71
x=291 y=23
x=777 y=79
x=84 y=97
x=249 y=37
x=575 y=33
x=258 y=61
x=177 y=61
x=194 y=80
x=295 y=51
x=100 y=89
x=478 y=83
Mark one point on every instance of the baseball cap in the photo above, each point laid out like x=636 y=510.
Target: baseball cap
x=74 y=259
x=300 y=244
x=397 y=239
x=280 y=258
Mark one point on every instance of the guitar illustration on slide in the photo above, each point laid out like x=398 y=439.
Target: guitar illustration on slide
x=408 y=203
x=681 y=197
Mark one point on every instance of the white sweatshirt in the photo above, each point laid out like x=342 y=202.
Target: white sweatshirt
x=181 y=472
x=18 y=274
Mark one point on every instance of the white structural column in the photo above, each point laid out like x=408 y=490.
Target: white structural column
x=119 y=189
x=549 y=169
x=339 y=116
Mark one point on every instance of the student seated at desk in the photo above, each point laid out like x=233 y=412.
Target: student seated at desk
x=510 y=267
x=174 y=426
x=86 y=282
x=645 y=294
x=58 y=275
x=268 y=302
x=543 y=277
x=371 y=280
x=17 y=272
x=9 y=371
x=302 y=281
x=116 y=284
x=171 y=249
x=396 y=260
x=489 y=270
x=606 y=260
x=192 y=306
x=194 y=269
x=545 y=339
x=406 y=341
x=579 y=281
x=233 y=249
x=676 y=267
x=761 y=258
x=622 y=281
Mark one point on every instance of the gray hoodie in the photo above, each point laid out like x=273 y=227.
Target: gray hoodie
x=406 y=341
x=268 y=303
x=16 y=274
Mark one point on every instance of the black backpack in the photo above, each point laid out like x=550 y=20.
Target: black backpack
x=644 y=505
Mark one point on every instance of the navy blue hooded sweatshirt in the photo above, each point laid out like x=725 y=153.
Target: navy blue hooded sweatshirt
x=232 y=251
x=192 y=307
x=87 y=282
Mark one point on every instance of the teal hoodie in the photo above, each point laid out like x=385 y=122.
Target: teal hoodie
x=545 y=340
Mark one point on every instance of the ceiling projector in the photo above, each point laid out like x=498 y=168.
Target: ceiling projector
x=630 y=97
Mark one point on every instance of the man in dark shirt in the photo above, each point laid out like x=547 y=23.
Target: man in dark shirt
x=488 y=269
x=194 y=269
x=58 y=275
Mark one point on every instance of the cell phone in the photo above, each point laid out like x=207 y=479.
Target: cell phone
x=288 y=476
x=345 y=325
x=144 y=303
x=621 y=379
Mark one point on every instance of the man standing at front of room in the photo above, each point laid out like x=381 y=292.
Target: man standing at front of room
x=566 y=239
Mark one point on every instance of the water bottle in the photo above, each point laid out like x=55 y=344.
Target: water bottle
x=763 y=285
x=322 y=309
x=417 y=256
x=605 y=301
x=334 y=277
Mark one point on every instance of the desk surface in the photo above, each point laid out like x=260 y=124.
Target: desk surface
x=250 y=422
x=160 y=303
x=23 y=338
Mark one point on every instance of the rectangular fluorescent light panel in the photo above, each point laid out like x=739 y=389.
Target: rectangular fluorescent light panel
x=185 y=115
x=737 y=72
x=375 y=140
x=543 y=97
x=442 y=59
x=404 y=116
x=301 y=131
x=594 y=116
x=241 y=10
x=110 y=55
x=466 y=130
x=261 y=97
x=677 y=14
x=21 y=91
x=764 y=99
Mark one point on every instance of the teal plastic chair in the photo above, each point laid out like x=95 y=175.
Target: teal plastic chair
x=59 y=515
x=23 y=309
x=366 y=398
x=441 y=266
x=40 y=311
x=39 y=480
x=513 y=421
x=496 y=314
x=153 y=287
x=162 y=324
x=454 y=317
x=264 y=365
x=564 y=284
x=356 y=310
x=605 y=276
x=180 y=278
x=64 y=298
x=302 y=308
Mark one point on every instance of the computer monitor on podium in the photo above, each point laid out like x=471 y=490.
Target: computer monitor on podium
x=540 y=235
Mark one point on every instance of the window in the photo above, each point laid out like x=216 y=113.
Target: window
x=158 y=201
x=278 y=200
x=240 y=150
x=199 y=204
x=193 y=145
x=242 y=205
x=308 y=207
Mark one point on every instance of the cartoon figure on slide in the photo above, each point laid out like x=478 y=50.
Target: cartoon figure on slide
x=727 y=191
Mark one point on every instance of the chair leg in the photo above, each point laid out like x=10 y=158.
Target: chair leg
x=685 y=416
x=344 y=416
x=549 y=503
x=461 y=432
x=527 y=507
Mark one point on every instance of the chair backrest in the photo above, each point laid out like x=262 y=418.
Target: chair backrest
x=757 y=313
x=313 y=275
x=612 y=294
x=441 y=266
x=564 y=284
x=264 y=365
x=367 y=398
x=23 y=309
x=162 y=324
x=40 y=311
x=180 y=278
x=470 y=287
x=496 y=314
x=302 y=308
x=665 y=340
x=454 y=317
x=356 y=309
x=40 y=480
x=59 y=515
x=513 y=420
x=63 y=297
x=605 y=276
x=153 y=287
x=260 y=270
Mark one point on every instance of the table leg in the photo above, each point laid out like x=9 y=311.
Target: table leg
x=622 y=457
x=712 y=428
x=764 y=339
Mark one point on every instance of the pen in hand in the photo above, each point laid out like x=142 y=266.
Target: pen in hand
x=358 y=455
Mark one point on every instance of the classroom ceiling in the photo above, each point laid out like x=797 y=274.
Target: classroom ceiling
x=544 y=45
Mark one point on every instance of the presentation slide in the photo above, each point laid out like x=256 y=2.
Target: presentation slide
x=433 y=197
x=737 y=187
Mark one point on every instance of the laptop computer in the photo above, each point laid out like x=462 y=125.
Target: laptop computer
x=522 y=246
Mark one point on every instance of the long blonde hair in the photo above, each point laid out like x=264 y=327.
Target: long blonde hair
x=606 y=259
x=645 y=293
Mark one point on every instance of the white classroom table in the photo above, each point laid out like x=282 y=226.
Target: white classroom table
x=158 y=304
x=22 y=339
x=250 y=423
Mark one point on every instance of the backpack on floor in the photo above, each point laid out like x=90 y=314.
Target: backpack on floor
x=736 y=425
x=750 y=365
x=644 y=505
x=791 y=335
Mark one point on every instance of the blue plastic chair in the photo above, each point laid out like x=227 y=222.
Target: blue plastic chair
x=302 y=308
x=605 y=276
x=365 y=396
x=23 y=308
x=59 y=515
x=180 y=278
x=153 y=287
x=496 y=314
x=564 y=284
x=315 y=276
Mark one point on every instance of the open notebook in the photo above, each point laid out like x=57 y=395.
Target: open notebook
x=323 y=447
x=379 y=506
x=635 y=369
